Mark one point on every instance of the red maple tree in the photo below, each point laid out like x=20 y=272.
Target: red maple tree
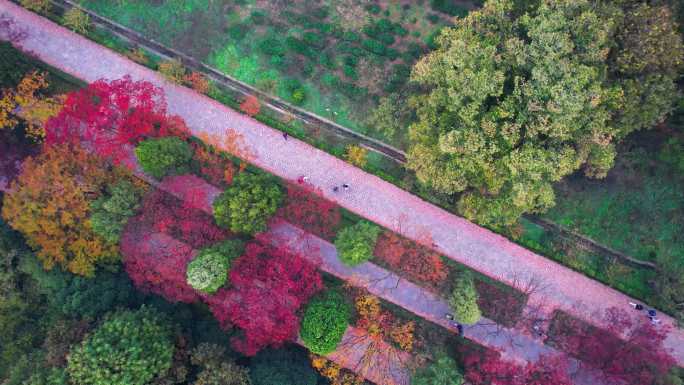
x=160 y=267
x=181 y=219
x=412 y=260
x=638 y=357
x=156 y=264
x=306 y=208
x=268 y=287
x=105 y=115
x=486 y=367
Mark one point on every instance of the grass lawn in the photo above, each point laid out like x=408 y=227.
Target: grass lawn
x=638 y=209
x=334 y=58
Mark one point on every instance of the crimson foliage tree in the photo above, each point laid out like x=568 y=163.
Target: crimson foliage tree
x=485 y=367
x=105 y=115
x=269 y=286
x=156 y=263
x=305 y=207
x=636 y=358
x=158 y=266
x=182 y=220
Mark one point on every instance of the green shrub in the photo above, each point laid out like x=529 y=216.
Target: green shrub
x=128 y=348
x=351 y=36
x=164 y=156
x=282 y=367
x=325 y=320
x=110 y=212
x=298 y=96
x=313 y=39
x=258 y=17
x=248 y=203
x=374 y=46
x=296 y=45
x=216 y=368
x=672 y=153
x=355 y=244
x=272 y=46
x=208 y=271
x=463 y=300
x=373 y=8
x=13 y=65
x=443 y=371
x=51 y=376
x=450 y=7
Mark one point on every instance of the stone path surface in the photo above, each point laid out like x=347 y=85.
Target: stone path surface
x=369 y=196
x=513 y=345
x=387 y=365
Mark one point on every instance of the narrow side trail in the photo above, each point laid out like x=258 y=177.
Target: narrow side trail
x=368 y=196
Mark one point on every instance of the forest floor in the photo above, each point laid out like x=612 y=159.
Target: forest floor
x=368 y=196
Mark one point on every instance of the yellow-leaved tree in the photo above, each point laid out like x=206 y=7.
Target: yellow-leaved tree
x=28 y=103
x=49 y=203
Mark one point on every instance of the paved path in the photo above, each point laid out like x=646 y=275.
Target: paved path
x=387 y=365
x=514 y=345
x=369 y=196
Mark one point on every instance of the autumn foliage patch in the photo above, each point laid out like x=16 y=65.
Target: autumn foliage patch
x=268 y=287
x=106 y=115
x=159 y=267
x=637 y=358
x=415 y=262
x=306 y=208
x=486 y=367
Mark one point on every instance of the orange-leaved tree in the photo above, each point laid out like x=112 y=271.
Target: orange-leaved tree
x=49 y=203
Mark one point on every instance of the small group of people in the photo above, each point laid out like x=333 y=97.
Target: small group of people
x=650 y=313
x=459 y=327
x=337 y=188
x=305 y=179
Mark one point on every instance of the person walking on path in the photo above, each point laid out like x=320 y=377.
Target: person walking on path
x=285 y=135
x=336 y=189
x=637 y=306
x=345 y=186
x=459 y=327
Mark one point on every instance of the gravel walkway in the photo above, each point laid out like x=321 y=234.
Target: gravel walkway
x=368 y=196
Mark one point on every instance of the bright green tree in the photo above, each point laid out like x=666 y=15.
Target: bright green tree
x=208 y=271
x=248 y=204
x=325 y=320
x=355 y=244
x=110 y=212
x=160 y=157
x=463 y=300
x=131 y=347
x=443 y=371
x=517 y=100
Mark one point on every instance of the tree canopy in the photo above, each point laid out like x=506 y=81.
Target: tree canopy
x=355 y=244
x=129 y=348
x=49 y=205
x=463 y=300
x=208 y=271
x=517 y=98
x=443 y=371
x=248 y=203
x=325 y=320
